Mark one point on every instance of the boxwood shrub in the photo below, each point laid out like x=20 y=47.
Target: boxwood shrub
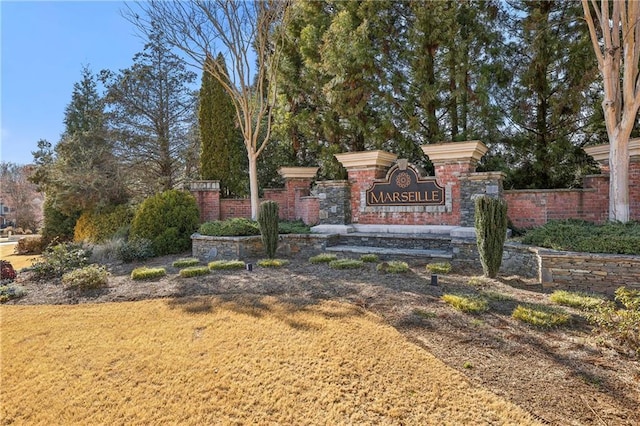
x=167 y=220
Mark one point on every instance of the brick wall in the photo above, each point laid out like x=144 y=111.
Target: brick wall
x=535 y=207
x=293 y=201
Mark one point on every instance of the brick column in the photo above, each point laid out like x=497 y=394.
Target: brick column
x=452 y=160
x=207 y=195
x=363 y=168
x=297 y=183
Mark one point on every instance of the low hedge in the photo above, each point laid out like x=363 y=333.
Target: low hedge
x=577 y=235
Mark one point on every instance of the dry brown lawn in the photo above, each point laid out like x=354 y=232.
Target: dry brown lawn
x=204 y=360
x=18 y=262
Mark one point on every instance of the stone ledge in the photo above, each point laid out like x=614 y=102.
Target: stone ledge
x=437 y=254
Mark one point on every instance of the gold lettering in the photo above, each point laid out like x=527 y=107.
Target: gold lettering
x=404 y=196
x=412 y=197
x=396 y=197
x=375 y=200
x=388 y=198
x=435 y=195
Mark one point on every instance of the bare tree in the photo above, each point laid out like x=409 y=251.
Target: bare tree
x=243 y=31
x=20 y=195
x=615 y=34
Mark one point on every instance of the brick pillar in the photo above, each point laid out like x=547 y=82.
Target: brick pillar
x=297 y=183
x=363 y=168
x=600 y=153
x=207 y=195
x=451 y=161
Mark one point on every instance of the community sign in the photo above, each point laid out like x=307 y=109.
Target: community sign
x=403 y=186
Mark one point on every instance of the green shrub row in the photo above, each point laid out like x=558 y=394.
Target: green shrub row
x=272 y=263
x=226 y=264
x=577 y=235
x=185 y=262
x=145 y=273
x=241 y=227
x=194 y=271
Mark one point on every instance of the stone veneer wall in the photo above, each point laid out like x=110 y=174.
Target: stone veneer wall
x=601 y=273
x=230 y=248
x=473 y=185
x=334 y=203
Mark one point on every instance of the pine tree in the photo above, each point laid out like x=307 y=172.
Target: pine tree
x=549 y=101
x=222 y=157
x=151 y=112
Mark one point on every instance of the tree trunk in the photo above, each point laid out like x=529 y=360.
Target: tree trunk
x=619 y=178
x=253 y=185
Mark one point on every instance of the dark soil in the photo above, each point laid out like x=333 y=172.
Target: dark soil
x=565 y=376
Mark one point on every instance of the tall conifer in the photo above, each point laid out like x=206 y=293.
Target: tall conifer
x=222 y=157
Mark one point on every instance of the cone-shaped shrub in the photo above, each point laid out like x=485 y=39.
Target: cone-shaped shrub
x=268 y=221
x=491 y=231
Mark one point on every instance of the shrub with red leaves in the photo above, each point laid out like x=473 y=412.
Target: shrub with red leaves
x=6 y=270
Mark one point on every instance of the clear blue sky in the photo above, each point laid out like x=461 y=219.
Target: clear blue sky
x=44 y=46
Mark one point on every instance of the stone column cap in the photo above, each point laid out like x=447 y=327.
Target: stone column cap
x=600 y=153
x=447 y=152
x=366 y=159
x=298 y=172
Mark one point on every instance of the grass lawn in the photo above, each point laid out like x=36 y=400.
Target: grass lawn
x=18 y=262
x=206 y=361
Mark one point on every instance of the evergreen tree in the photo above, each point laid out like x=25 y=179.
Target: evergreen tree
x=85 y=112
x=151 y=112
x=549 y=101
x=222 y=157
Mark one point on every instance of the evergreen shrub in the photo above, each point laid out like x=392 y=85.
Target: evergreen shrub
x=466 y=303
x=194 y=271
x=135 y=249
x=88 y=277
x=370 y=258
x=323 y=258
x=439 y=267
x=621 y=322
x=145 y=273
x=268 y=221
x=578 y=235
x=491 y=231
x=167 y=219
x=61 y=258
x=186 y=262
x=226 y=264
x=540 y=316
x=393 y=267
x=58 y=226
x=100 y=226
x=272 y=263
x=236 y=227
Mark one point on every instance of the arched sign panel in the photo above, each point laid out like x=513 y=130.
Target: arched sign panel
x=404 y=187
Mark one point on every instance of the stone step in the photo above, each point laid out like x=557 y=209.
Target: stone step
x=384 y=251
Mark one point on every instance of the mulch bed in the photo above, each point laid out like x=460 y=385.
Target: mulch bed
x=562 y=376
